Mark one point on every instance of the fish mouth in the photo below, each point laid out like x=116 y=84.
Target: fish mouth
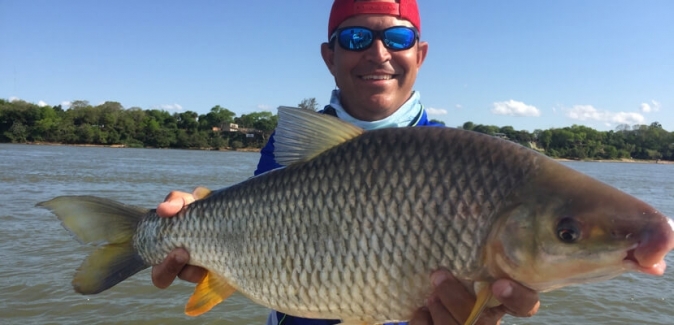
x=632 y=263
x=648 y=254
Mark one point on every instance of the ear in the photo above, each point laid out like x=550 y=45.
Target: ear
x=328 y=55
x=422 y=50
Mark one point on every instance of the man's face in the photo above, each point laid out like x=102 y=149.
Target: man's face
x=374 y=83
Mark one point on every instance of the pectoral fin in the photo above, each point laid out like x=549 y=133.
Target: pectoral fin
x=201 y=192
x=211 y=291
x=483 y=299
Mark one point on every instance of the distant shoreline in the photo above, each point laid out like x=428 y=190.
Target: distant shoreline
x=124 y=146
x=623 y=160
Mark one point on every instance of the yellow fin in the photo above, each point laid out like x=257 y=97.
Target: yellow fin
x=303 y=134
x=211 y=291
x=484 y=297
x=201 y=192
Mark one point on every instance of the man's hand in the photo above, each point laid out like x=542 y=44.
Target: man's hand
x=451 y=303
x=175 y=264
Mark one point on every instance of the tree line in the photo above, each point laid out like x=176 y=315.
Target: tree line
x=650 y=142
x=112 y=124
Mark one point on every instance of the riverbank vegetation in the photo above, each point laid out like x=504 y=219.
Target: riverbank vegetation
x=112 y=124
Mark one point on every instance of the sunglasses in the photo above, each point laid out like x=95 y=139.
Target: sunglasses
x=356 y=38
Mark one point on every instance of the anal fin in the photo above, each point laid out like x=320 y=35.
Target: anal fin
x=211 y=291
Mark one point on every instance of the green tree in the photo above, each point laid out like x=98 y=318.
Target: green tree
x=17 y=133
x=218 y=117
x=309 y=103
x=187 y=121
x=468 y=126
x=545 y=139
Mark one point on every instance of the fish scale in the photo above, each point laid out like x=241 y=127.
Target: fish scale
x=352 y=228
x=348 y=234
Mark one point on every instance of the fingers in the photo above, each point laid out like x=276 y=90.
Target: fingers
x=173 y=203
x=421 y=317
x=452 y=294
x=175 y=265
x=517 y=300
x=191 y=273
x=163 y=274
x=451 y=302
x=440 y=314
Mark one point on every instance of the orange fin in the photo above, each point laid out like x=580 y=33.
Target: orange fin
x=201 y=192
x=483 y=299
x=211 y=291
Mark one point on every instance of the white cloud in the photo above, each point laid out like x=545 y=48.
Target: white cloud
x=66 y=104
x=588 y=112
x=459 y=106
x=436 y=111
x=14 y=98
x=515 y=108
x=42 y=103
x=171 y=107
x=264 y=107
x=653 y=106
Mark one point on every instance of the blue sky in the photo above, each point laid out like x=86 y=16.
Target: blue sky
x=528 y=64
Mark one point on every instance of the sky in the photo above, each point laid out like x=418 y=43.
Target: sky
x=526 y=64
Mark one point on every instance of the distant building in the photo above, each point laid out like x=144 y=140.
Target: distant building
x=501 y=135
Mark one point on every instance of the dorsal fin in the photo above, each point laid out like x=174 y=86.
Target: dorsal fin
x=303 y=134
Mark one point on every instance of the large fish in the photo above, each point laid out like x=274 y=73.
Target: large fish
x=352 y=228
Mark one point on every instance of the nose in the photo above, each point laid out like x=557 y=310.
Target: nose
x=378 y=53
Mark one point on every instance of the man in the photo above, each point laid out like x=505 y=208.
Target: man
x=374 y=54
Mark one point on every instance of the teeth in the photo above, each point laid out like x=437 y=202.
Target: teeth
x=377 y=77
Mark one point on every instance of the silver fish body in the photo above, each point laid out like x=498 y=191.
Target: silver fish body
x=354 y=231
x=338 y=236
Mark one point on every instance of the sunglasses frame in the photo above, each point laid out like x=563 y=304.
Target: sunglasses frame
x=376 y=34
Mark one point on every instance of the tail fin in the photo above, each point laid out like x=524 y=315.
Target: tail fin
x=107 y=224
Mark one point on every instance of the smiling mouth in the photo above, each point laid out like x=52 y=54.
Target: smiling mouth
x=377 y=77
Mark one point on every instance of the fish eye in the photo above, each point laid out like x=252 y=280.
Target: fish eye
x=567 y=230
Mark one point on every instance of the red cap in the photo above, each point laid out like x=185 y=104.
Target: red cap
x=343 y=9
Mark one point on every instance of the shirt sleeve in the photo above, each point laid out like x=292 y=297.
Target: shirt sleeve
x=267 y=161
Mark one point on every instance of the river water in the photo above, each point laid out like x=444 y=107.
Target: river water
x=38 y=257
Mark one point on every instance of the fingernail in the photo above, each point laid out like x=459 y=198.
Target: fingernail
x=438 y=277
x=502 y=289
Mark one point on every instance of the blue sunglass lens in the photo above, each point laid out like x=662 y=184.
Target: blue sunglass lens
x=399 y=38
x=361 y=38
x=355 y=39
